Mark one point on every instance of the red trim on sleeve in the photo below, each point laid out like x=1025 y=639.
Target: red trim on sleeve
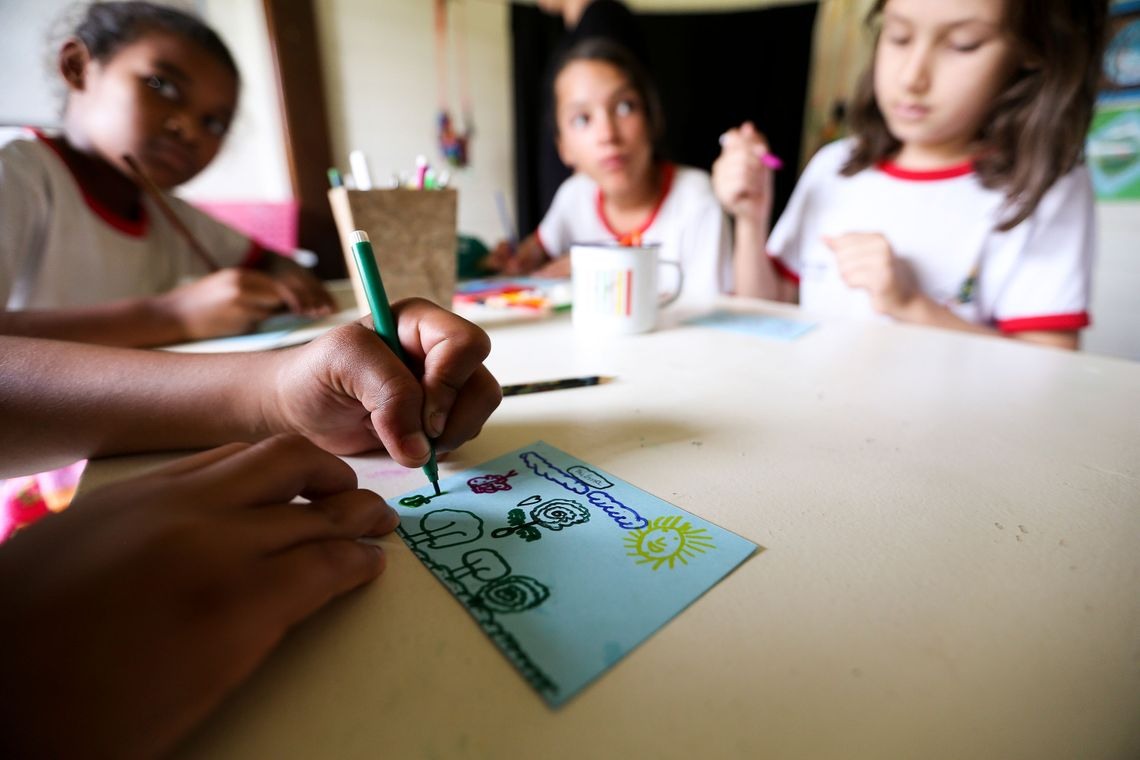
x=133 y=227
x=254 y=256
x=783 y=270
x=892 y=169
x=1073 y=321
x=669 y=171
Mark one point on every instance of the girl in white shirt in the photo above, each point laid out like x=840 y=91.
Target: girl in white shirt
x=961 y=200
x=609 y=129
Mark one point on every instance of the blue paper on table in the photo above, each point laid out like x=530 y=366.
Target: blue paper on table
x=566 y=567
x=753 y=324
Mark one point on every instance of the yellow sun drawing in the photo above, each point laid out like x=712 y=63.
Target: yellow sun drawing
x=667 y=539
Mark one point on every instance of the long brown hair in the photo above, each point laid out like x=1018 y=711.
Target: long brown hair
x=1036 y=128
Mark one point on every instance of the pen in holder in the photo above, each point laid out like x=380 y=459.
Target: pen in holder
x=413 y=235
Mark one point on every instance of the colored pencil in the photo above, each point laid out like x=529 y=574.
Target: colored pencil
x=163 y=206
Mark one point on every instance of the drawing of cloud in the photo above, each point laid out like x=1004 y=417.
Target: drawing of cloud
x=539 y=465
x=624 y=516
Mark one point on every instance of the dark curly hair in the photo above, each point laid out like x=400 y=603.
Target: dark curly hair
x=1036 y=128
x=107 y=26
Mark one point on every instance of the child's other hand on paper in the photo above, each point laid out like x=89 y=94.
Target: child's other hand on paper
x=741 y=181
x=522 y=259
x=226 y=302
x=300 y=290
x=559 y=267
x=347 y=392
x=134 y=612
x=867 y=262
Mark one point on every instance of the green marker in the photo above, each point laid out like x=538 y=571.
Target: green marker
x=383 y=320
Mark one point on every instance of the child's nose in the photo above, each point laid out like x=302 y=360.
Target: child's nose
x=182 y=125
x=915 y=74
x=607 y=127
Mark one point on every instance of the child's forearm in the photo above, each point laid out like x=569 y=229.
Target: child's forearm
x=134 y=322
x=66 y=401
x=921 y=310
x=753 y=271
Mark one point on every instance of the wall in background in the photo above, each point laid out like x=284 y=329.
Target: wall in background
x=380 y=79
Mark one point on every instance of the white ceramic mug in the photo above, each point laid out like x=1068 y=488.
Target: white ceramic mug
x=615 y=288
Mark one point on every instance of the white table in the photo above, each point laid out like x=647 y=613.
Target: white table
x=951 y=566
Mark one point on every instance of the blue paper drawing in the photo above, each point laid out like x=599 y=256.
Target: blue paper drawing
x=601 y=564
x=760 y=325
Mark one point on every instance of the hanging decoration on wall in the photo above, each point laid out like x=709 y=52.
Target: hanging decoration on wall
x=453 y=143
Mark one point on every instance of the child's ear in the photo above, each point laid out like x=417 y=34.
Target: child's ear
x=73 y=60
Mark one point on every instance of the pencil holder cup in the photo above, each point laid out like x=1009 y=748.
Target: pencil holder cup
x=413 y=237
x=615 y=290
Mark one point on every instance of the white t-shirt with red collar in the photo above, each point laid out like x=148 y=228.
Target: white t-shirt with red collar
x=688 y=224
x=59 y=247
x=1036 y=276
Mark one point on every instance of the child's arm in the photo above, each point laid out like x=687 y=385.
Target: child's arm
x=301 y=291
x=743 y=185
x=345 y=391
x=179 y=583
x=525 y=258
x=866 y=261
x=228 y=302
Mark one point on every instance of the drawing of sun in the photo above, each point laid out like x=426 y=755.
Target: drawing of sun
x=667 y=539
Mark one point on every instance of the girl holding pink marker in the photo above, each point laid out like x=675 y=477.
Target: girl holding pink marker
x=961 y=201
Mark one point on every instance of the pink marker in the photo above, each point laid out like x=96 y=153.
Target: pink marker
x=772 y=161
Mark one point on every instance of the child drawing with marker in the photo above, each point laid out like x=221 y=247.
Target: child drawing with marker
x=961 y=200
x=609 y=128
x=85 y=253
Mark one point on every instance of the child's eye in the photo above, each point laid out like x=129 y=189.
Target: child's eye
x=579 y=120
x=898 y=39
x=965 y=46
x=163 y=87
x=625 y=108
x=216 y=127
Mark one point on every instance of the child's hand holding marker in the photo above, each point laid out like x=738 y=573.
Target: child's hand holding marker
x=742 y=174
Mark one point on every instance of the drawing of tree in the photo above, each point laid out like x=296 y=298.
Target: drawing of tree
x=515 y=593
x=555 y=514
x=442 y=528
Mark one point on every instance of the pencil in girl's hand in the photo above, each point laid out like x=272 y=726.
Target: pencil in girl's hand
x=179 y=226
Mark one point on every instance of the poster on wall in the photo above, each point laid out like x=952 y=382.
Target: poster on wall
x=1114 y=138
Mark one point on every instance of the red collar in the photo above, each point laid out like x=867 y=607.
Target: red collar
x=132 y=227
x=668 y=172
x=892 y=169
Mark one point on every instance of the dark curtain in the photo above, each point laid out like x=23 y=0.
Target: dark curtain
x=714 y=71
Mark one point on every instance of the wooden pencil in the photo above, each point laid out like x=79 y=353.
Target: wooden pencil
x=172 y=217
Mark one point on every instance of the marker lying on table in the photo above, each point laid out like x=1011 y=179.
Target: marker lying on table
x=554 y=385
x=383 y=320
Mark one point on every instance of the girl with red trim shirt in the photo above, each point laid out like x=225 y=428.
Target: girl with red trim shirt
x=85 y=255
x=609 y=128
x=961 y=200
